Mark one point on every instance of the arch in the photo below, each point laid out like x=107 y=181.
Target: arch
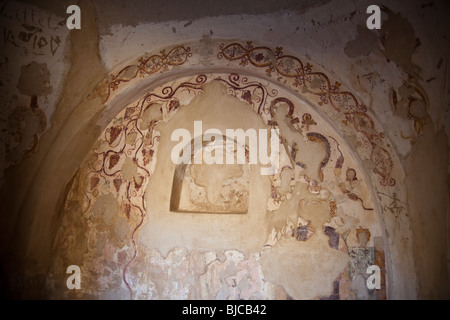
x=337 y=107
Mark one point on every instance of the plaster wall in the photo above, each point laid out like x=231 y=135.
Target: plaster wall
x=59 y=107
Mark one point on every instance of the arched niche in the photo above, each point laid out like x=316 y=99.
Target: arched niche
x=212 y=184
x=125 y=233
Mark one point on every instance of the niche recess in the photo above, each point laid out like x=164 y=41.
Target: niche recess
x=210 y=188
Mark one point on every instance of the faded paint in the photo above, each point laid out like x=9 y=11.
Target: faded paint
x=378 y=173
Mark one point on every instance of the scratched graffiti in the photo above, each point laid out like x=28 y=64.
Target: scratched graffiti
x=31 y=29
x=29 y=37
x=395 y=206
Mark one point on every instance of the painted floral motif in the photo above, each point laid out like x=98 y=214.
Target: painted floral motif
x=131 y=141
x=317 y=84
x=145 y=66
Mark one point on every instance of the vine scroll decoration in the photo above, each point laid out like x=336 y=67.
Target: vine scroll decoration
x=128 y=138
x=254 y=93
x=143 y=67
x=317 y=84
